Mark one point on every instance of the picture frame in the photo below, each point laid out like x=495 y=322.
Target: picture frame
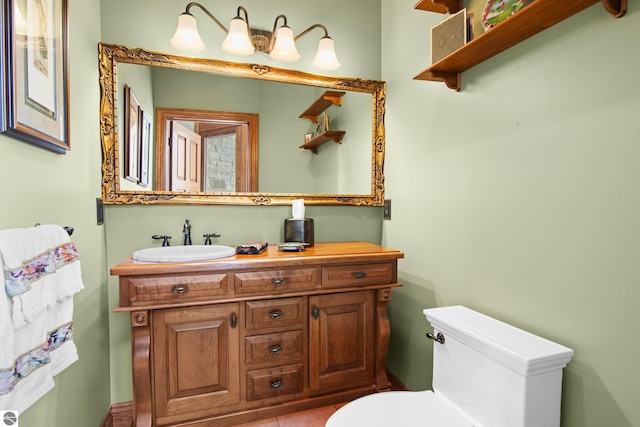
x=145 y=149
x=34 y=81
x=132 y=138
x=323 y=124
x=308 y=137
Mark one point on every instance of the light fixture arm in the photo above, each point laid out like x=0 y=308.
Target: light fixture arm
x=326 y=33
x=210 y=15
x=272 y=40
x=246 y=15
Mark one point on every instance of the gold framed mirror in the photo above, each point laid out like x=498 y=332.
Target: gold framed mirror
x=360 y=146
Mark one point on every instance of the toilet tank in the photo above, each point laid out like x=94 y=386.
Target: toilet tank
x=498 y=374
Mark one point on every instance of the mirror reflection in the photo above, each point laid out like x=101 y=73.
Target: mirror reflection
x=233 y=133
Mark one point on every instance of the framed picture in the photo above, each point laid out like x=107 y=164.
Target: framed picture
x=323 y=124
x=308 y=137
x=131 y=136
x=34 y=81
x=145 y=149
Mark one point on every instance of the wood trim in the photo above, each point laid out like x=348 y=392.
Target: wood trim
x=396 y=384
x=119 y=415
x=248 y=167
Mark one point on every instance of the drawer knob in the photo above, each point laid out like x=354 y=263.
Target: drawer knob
x=279 y=281
x=276 y=349
x=276 y=314
x=277 y=384
x=360 y=275
x=179 y=289
x=315 y=312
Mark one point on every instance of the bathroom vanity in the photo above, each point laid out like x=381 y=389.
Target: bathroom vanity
x=248 y=337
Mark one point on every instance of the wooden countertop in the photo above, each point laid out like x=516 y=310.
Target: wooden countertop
x=271 y=258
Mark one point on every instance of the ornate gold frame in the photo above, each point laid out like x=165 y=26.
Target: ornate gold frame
x=110 y=55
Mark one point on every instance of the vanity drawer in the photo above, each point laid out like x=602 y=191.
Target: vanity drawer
x=358 y=274
x=274 y=348
x=276 y=280
x=274 y=313
x=143 y=290
x=272 y=382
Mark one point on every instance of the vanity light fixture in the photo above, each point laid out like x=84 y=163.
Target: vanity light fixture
x=244 y=40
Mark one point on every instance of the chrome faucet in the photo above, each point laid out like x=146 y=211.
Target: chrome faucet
x=186 y=230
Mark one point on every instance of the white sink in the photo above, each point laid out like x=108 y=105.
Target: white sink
x=183 y=253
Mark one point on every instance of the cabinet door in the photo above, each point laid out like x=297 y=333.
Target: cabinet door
x=341 y=329
x=195 y=356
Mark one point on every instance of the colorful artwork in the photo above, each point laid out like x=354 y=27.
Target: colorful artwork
x=496 y=11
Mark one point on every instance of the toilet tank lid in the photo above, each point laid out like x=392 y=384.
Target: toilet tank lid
x=520 y=350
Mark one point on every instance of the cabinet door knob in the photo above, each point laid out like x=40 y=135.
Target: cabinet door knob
x=179 y=289
x=276 y=349
x=360 y=275
x=277 y=384
x=233 y=320
x=279 y=281
x=315 y=312
x=276 y=314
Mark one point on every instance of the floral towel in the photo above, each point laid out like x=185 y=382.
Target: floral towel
x=41 y=267
x=40 y=344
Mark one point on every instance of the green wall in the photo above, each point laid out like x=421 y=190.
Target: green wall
x=42 y=187
x=150 y=24
x=519 y=197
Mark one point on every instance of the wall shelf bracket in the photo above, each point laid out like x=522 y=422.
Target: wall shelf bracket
x=617 y=8
x=451 y=79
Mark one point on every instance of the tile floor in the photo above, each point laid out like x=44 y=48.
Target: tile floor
x=311 y=418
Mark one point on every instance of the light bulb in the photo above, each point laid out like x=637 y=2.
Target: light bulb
x=186 y=36
x=237 y=40
x=326 y=58
x=285 y=47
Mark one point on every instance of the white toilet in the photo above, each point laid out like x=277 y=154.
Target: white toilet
x=486 y=373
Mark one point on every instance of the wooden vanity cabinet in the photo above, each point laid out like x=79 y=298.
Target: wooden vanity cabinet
x=341 y=340
x=238 y=339
x=195 y=361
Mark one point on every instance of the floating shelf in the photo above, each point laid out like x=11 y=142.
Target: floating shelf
x=530 y=20
x=325 y=101
x=442 y=6
x=335 y=135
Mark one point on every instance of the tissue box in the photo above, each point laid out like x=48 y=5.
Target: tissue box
x=298 y=230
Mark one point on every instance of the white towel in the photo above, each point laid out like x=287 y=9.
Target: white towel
x=40 y=269
x=40 y=344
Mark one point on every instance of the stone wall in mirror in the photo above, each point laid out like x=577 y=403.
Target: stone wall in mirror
x=216 y=132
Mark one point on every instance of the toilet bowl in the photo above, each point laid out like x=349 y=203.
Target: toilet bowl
x=486 y=373
x=400 y=408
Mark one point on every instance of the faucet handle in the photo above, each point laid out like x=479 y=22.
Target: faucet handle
x=165 y=238
x=207 y=237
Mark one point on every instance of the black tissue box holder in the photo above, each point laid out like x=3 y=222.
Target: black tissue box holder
x=299 y=230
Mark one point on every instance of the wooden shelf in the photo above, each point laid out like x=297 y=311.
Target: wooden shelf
x=335 y=135
x=530 y=20
x=326 y=100
x=439 y=6
x=312 y=113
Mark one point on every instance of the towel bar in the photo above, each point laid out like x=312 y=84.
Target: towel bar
x=68 y=229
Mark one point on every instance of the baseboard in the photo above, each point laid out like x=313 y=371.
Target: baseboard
x=396 y=384
x=119 y=415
